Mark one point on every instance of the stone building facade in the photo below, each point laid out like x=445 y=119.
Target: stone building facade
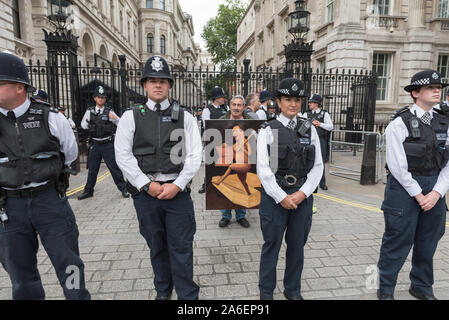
x=109 y=28
x=394 y=38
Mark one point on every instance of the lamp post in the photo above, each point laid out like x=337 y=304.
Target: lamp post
x=62 y=61
x=298 y=51
x=62 y=48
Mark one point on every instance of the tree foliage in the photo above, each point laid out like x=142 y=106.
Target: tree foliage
x=220 y=33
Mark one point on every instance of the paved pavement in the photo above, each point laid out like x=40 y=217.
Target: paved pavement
x=340 y=256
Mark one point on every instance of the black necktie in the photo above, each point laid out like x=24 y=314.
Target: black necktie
x=157 y=107
x=12 y=115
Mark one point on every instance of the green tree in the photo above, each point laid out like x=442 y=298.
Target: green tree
x=220 y=33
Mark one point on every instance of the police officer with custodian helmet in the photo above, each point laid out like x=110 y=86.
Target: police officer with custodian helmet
x=36 y=143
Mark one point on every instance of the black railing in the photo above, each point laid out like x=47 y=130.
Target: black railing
x=348 y=96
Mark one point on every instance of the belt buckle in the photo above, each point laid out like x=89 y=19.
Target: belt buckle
x=290 y=180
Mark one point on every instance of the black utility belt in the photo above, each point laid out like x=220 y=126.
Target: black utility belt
x=105 y=141
x=29 y=192
x=290 y=181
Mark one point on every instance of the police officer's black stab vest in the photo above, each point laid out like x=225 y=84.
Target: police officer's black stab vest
x=217 y=113
x=296 y=154
x=426 y=155
x=444 y=108
x=152 y=145
x=28 y=151
x=100 y=126
x=322 y=133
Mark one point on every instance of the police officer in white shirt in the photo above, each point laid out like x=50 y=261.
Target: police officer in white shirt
x=100 y=121
x=323 y=124
x=414 y=205
x=289 y=167
x=36 y=142
x=158 y=178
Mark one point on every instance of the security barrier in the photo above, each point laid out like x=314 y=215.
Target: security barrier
x=346 y=149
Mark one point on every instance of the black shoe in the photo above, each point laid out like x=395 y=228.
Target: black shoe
x=262 y=297
x=85 y=195
x=224 y=223
x=203 y=189
x=125 y=194
x=243 y=222
x=290 y=298
x=158 y=297
x=421 y=296
x=384 y=296
x=323 y=187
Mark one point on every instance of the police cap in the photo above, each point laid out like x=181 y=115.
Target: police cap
x=156 y=67
x=316 y=98
x=100 y=92
x=264 y=95
x=13 y=69
x=290 y=87
x=217 y=92
x=425 y=78
x=40 y=95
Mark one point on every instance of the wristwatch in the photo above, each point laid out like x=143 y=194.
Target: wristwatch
x=147 y=186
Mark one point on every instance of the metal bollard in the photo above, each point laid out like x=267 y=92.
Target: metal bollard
x=368 y=172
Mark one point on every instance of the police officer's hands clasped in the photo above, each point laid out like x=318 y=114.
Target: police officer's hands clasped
x=169 y=191
x=428 y=201
x=155 y=189
x=292 y=201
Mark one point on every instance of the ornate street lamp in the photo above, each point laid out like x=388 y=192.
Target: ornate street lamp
x=298 y=51
x=58 y=12
x=62 y=59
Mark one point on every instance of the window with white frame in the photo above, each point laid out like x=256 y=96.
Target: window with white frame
x=443 y=68
x=16 y=18
x=150 y=43
x=322 y=65
x=382 y=7
x=162 y=3
x=330 y=10
x=149 y=4
x=382 y=67
x=443 y=9
x=163 y=45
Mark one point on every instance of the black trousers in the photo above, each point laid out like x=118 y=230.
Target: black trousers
x=52 y=218
x=106 y=152
x=169 y=226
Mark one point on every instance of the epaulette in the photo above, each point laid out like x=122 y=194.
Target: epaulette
x=39 y=102
x=53 y=109
x=266 y=124
x=399 y=112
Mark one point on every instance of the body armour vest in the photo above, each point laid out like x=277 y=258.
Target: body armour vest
x=444 y=108
x=322 y=133
x=28 y=151
x=217 y=113
x=296 y=154
x=99 y=126
x=428 y=153
x=154 y=148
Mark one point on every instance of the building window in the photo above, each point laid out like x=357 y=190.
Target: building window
x=162 y=2
x=162 y=44
x=382 y=7
x=443 y=9
x=330 y=10
x=16 y=18
x=150 y=43
x=382 y=67
x=322 y=65
x=443 y=68
x=149 y=4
